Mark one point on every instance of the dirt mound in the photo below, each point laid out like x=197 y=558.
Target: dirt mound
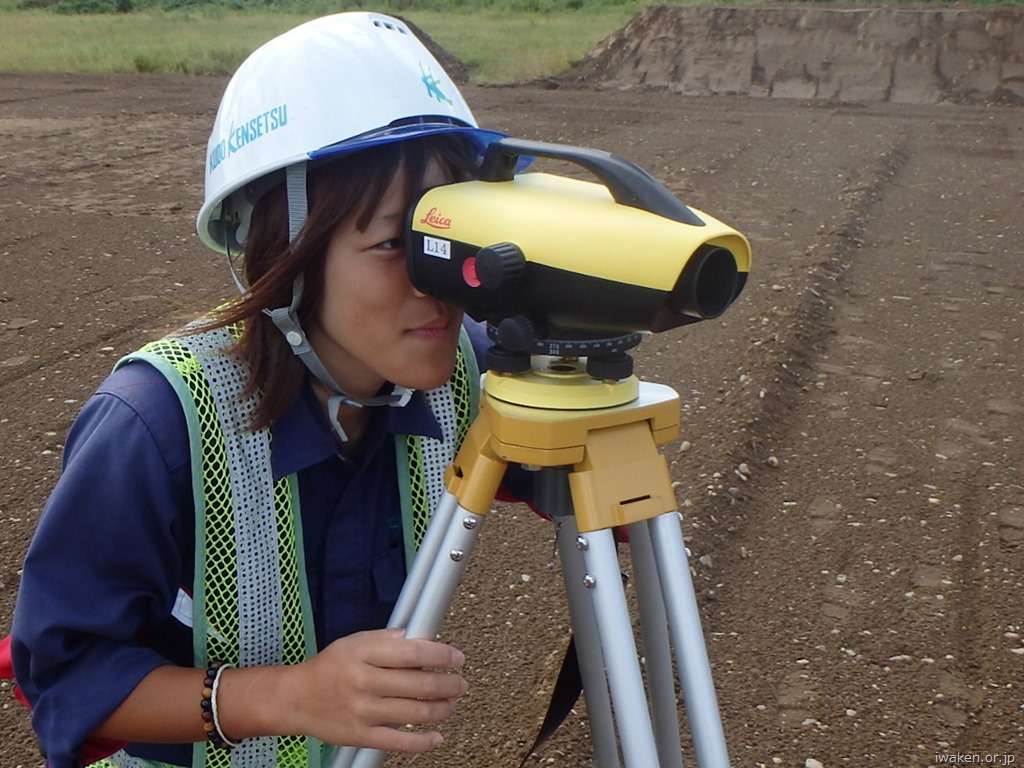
x=907 y=55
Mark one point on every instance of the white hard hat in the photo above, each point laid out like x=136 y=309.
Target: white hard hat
x=335 y=84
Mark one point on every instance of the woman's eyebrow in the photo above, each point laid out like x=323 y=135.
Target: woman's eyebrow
x=395 y=215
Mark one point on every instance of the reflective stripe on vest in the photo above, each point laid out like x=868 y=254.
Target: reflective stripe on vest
x=250 y=598
x=426 y=459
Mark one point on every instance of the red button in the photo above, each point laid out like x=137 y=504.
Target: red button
x=469 y=272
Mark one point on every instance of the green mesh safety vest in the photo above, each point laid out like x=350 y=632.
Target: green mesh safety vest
x=250 y=601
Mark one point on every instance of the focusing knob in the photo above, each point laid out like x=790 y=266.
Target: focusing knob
x=499 y=265
x=516 y=334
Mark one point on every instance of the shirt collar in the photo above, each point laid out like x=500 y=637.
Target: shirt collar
x=302 y=436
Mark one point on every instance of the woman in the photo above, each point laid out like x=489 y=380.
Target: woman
x=239 y=502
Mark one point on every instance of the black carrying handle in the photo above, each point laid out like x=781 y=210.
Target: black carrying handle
x=628 y=183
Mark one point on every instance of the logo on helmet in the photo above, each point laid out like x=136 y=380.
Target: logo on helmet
x=434 y=87
x=249 y=131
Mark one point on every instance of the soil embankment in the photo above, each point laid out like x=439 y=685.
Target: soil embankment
x=906 y=55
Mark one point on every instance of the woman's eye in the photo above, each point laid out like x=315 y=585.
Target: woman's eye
x=394 y=244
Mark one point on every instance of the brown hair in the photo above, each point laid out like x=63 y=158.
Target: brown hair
x=338 y=189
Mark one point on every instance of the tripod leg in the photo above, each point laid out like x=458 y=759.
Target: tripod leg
x=588 y=647
x=472 y=481
x=552 y=498
x=426 y=556
x=656 y=649
x=444 y=577
x=430 y=596
x=604 y=581
x=684 y=622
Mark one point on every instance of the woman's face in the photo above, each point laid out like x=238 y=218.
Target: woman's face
x=373 y=326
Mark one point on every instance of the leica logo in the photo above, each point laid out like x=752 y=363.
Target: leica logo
x=436 y=220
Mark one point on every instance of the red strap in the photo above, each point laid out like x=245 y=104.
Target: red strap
x=94 y=749
x=7 y=668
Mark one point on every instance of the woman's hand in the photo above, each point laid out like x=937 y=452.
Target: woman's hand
x=359 y=691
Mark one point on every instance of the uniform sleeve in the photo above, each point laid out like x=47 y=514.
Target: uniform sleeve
x=477 y=332
x=106 y=560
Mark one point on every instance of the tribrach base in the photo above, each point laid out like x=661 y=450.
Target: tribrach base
x=599 y=469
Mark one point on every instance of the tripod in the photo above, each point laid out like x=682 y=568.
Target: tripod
x=594 y=444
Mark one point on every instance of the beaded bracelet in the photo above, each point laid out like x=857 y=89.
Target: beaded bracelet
x=211 y=723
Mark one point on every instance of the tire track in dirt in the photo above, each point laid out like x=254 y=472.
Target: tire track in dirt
x=912 y=519
x=962 y=299
x=794 y=694
x=833 y=253
x=26 y=95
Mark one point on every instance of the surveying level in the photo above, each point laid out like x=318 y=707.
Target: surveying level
x=569 y=259
x=568 y=275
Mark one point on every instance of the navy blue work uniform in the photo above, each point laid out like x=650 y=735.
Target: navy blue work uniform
x=113 y=553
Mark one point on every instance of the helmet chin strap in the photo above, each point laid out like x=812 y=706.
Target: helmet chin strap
x=286 y=319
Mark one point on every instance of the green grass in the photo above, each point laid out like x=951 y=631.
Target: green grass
x=502 y=40
x=500 y=46
x=150 y=41
x=504 y=46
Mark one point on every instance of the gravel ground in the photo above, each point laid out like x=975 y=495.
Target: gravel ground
x=849 y=467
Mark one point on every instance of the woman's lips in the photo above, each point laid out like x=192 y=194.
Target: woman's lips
x=432 y=329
